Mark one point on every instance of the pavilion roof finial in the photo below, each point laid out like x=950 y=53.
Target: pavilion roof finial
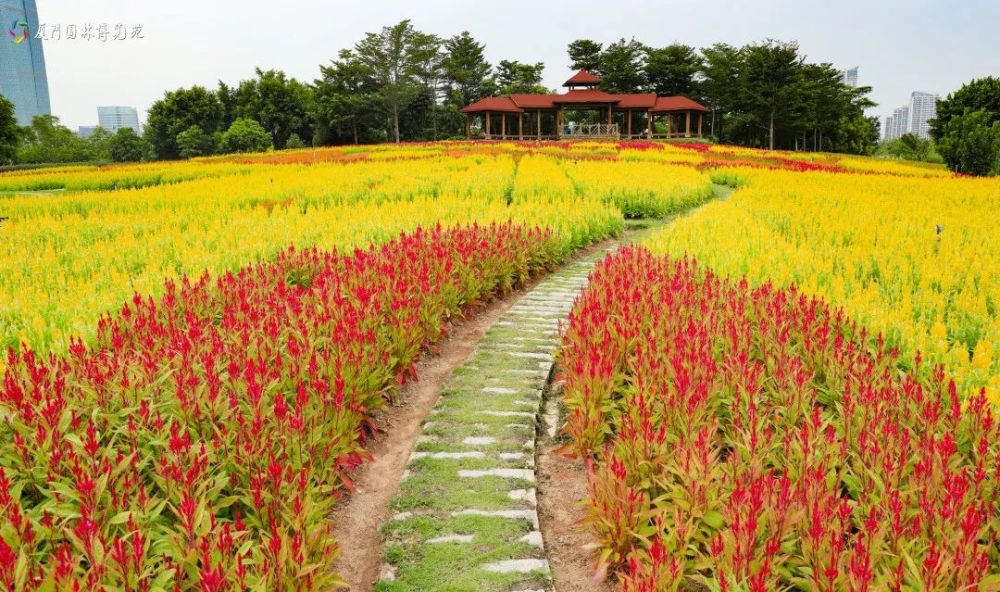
x=582 y=78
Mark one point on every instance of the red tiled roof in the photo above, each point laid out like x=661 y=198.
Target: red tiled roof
x=585 y=96
x=582 y=78
x=533 y=101
x=519 y=102
x=502 y=104
x=677 y=103
x=636 y=101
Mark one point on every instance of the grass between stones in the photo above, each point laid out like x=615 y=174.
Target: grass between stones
x=465 y=515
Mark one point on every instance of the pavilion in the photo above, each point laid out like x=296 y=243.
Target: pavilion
x=621 y=116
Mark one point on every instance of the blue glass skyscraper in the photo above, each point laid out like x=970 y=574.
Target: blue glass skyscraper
x=22 y=63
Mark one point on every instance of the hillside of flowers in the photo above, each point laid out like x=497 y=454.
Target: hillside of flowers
x=202 y=441
x=792 y=383
x=756 y=438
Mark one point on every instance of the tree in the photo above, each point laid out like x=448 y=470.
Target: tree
x=672 y=70
x=342 y=101
x=970 y=143
x=46 y=140
x=227 y=98
x=177 y=112
x=127 y=146
x=294 y=142
x=245 y=135
x=278 y=103
x=622 y=67
x=719 y=84
x=98 y=145
x=910 y=147
x=466 y=71
x=514 y=77
x=982 y=94
x=771 y=76
x=193 y=142
x=585 y=54
x=10 y=133
x=396 y=58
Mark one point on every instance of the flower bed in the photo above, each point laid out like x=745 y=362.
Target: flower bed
x=201 y=444
x=756 y=439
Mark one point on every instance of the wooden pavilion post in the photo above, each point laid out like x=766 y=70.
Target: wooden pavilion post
x=610 y=114
x=649 y=124
x=558 y=123
x=520 y=125
x=468 y=126
x=687 y=126
x=670 y=123
x=700 y=117
x=628 y=124
x=487 y=116
x=538 y=125
x=503 y=125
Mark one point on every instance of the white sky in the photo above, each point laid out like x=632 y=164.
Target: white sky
x=900 y=45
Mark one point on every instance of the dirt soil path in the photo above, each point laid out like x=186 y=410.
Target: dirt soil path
x=359 y=517
x=562 y=487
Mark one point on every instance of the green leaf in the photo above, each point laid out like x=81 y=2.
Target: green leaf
x=714 y=519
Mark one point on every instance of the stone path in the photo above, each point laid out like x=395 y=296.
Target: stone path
x=465 y=514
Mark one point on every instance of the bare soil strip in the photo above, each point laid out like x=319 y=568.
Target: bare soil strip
x=562 y=487
x=359 y=516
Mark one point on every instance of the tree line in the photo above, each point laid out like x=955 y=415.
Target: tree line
x=403 y=84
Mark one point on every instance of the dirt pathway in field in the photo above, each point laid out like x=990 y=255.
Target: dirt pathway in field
x=359 y=517
x=562 y=481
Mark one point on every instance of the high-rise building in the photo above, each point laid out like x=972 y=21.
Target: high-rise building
x=85 y=131
x=923 y=107
x=22 y=63
x=897 y=124
x=912 y=118
x=850 y=76
x=116 y=117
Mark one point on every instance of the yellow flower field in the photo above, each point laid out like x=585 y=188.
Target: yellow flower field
x=914 y=258
x=73 y=256
x=860 y=232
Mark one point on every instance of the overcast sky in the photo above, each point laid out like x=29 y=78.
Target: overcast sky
x=900 y=45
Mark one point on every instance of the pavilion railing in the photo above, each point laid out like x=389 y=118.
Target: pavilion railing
x=591 y=130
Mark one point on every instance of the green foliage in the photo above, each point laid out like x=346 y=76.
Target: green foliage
x=970 y=143
x=127 y=146
x=514 y=77
x=343 y=101
x=178 y=111
x=245 y=135
x=194 y=142
x=10 y=134
x=294 y=142
x=399 y=59
x=585 y=54
x=48 y=141
x=281 y=105
x=622 y=67
x=672 y=70
x=981 y=94
x=909 y=147
x=767 y=95
x=467 y=74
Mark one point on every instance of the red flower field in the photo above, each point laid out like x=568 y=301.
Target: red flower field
x=757 y=439
x=202 y=443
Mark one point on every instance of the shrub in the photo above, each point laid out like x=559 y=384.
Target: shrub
x=245 y=135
